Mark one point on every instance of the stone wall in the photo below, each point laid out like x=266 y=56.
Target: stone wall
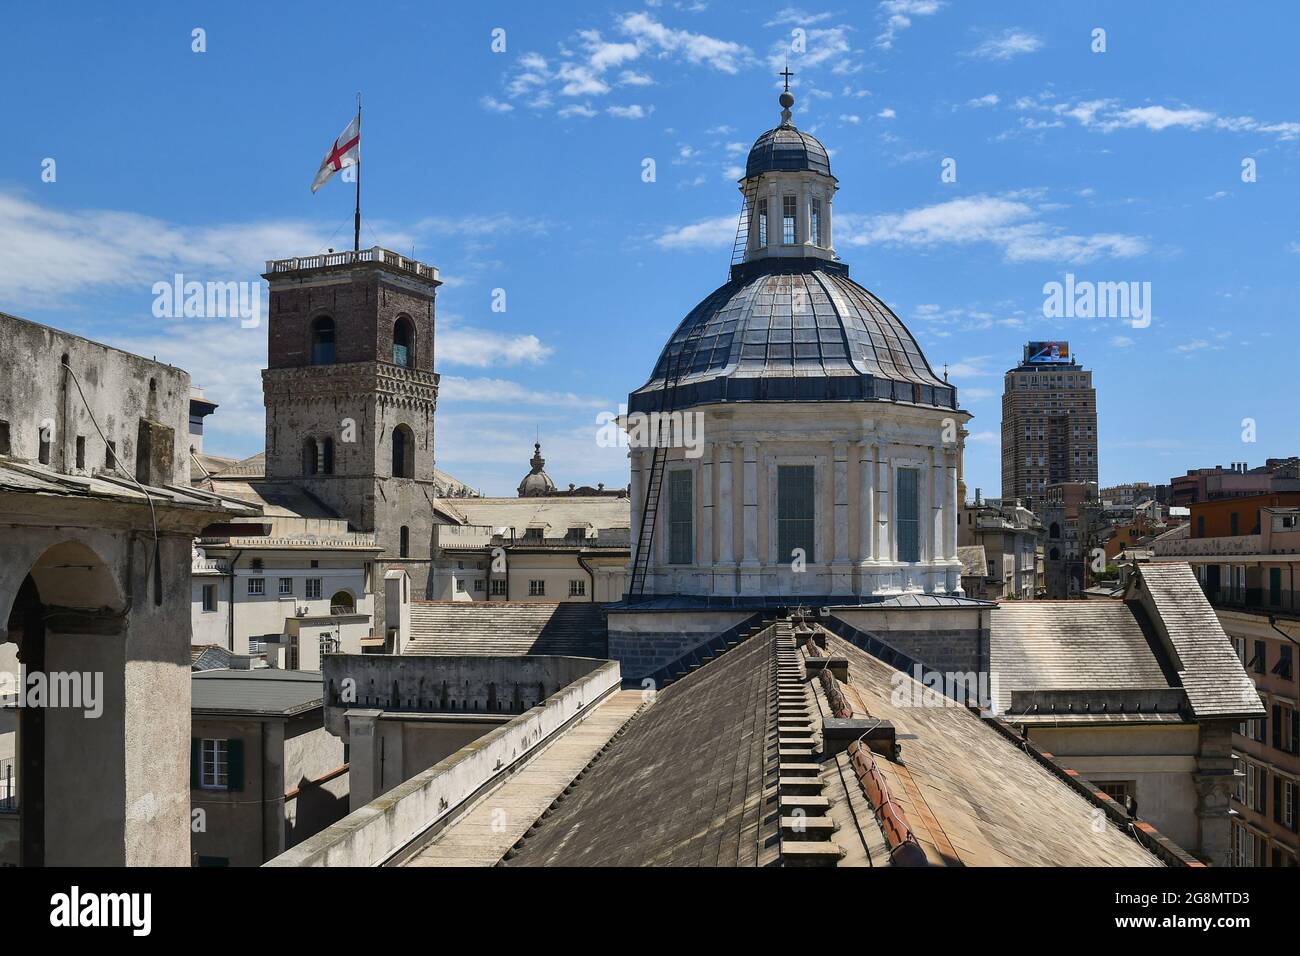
x=122 y=389
x=642 y=642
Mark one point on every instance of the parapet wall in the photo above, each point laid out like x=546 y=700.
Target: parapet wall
x=376 y=832
x=414 y=683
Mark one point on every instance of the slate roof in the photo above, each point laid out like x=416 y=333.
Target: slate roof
x=1071 y=645
x=786 y=148
x=1216 y=683
x=792 y=330
x=269 y=692
x=25 y=478
x=685 y=784
x=1106 y=646
x=968 y=788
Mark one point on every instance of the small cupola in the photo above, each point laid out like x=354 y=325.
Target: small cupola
x=788 y=189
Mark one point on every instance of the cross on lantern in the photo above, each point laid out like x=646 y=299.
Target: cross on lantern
x=787 y=74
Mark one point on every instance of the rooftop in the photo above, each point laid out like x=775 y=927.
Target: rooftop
x=268 y=692
x=373 y=256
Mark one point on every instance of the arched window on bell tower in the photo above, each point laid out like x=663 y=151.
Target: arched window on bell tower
x=403 y=452
x=403 y=342
x=327 y=456
x=310 y=461
x=322 y=341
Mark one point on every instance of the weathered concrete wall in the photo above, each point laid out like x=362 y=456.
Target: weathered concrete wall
x=1159 y=760
x=310 y=753
x=232 y=820
x=373 y=833
x=120 y=388
x=417 y=683
x=122 y=796
x=944 y=639
x=642 y=642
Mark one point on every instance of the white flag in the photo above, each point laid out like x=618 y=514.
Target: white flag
x=345 y=152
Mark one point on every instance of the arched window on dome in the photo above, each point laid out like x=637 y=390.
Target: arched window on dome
x=310 y=459
x=322 y=341
x=403 y=452
x=789 y=213
x=815 y=221
x=403 y=342
x=762 y=223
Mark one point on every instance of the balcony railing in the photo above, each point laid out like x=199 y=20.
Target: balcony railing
x=1257 y=600
x=348 y=257
x=8 y=785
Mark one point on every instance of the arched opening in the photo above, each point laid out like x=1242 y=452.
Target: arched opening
x=1054 y=554
x=1055 y=531
x=327 y=456
x=403 y=342
x=343 y=603
x=403 y=452
x=65 y=619
x=404 y=542
x=310 y=459
x=322 y=341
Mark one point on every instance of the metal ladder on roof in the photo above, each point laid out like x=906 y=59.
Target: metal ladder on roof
x=742 y=225
x=672 y=379
x=659 y=456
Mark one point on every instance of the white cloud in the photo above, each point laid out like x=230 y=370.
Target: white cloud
x=886 y=113
x=850 y=118
x=489 y=391
x=981 y=438
x=897 y=16
x=577 y=109
x=1108 y=115
x=988 y=99
x=632 y=111
x=1122 y=342
x=632 y=78
x=1003 y=221
x=1006 y=45
x=725 y=56
x=796 y=16
x=481 y=348
x=494 y=105
x=705 y=234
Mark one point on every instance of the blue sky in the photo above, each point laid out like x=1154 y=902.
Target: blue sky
x=521 y=170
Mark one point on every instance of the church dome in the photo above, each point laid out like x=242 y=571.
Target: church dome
x=537 y=483
x=791 y=330
x=788 y=150
x=790 y=325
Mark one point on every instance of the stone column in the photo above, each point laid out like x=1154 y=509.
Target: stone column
x=724 y=575
x=841 y=569
x=363 y=758
x=750 y=578
x=636 y=492
x=938 y=482
x=952 y=507
x=704 y=557
x=884 y=524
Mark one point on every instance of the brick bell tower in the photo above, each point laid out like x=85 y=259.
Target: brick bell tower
x=350 y=394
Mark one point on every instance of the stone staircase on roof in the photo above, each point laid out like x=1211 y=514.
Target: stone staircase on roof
x=487 y=628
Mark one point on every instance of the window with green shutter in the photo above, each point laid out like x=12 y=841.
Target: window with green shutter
x=681 y=518
x=795 y=512
x=907 y=514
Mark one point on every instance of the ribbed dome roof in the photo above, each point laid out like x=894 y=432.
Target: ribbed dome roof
x=788 y=149
x=792 y=330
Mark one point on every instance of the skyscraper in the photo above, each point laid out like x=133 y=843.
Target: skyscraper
x=1049 y=422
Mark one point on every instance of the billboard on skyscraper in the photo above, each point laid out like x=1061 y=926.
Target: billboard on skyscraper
x=1047 y=352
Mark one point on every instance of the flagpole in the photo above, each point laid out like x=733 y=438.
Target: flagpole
x=356 y=222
